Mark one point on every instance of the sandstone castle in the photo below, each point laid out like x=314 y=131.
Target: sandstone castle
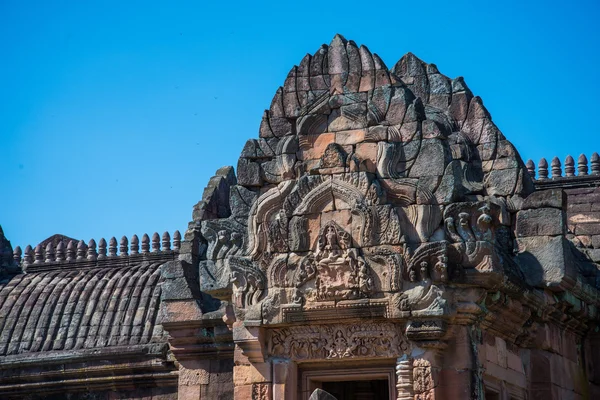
x=379 y=239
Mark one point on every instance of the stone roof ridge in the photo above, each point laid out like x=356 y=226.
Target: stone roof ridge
x=73 y=253
x=556 y=171
x=571 y=174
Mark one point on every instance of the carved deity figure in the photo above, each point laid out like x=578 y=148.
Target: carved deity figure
x=341 y=272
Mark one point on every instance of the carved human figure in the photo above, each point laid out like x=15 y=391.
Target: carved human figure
x=424 y=274
x=329 y=245
x=365 y=282
x=340 y=272
x=412 y=274
x=441 y=267
x=484 y=223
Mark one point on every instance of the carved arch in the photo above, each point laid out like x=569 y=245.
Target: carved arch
x=261 y=213
x=320 y=196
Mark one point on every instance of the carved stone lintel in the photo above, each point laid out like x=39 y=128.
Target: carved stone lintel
x=325 y=342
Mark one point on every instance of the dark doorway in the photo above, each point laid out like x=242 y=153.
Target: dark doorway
x=358 y=390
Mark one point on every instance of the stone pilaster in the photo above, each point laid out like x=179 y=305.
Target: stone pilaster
x=285 y=380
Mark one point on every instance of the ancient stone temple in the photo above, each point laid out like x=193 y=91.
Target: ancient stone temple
x=379 y=239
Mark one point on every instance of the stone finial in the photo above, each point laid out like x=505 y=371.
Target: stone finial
x=92 y=254
x=71 y=251
x=135 y=245
x=166 y=241
x=145 y=243
x=569 y=166
x=582 y=168
x=102 y=249
x=176 y=241
x=28 y=259
x=155 y=242
x=50 y=255
x=39 y=254
x=60 y=251
x=595 y=161
x=543 y=169
x=17 y=254
x=81 y=250
x=556 y=168
x=123 y=246
x=530 y=168
x=112 y=247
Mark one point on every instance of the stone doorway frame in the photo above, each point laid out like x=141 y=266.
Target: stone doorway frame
x=311 y=379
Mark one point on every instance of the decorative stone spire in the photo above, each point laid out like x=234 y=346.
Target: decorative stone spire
x=50 y=256
x=135 y=245
x=155 y=242
x=112 y=247
x=145 y=243
x=582 y=168
x=543 y=169
x=17 y=255
x=39 y=254
x=176 y=241
x=123 y=245
x=102 y=249
x=71 y=251
x=60 y=251
x=595 y=161
x=81 y=250
x=569 y=166
x=92 y=255
x=530 y=168
x=28 y=259
x=556 y=168
x=166 y=241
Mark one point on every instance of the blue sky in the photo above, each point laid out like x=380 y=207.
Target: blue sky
x=114 y=115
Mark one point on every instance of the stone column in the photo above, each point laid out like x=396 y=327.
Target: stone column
x=252 y=374
x=404 y=378
x=192 y=376
x=285 y=380
x=252 y=380
x=426 y=368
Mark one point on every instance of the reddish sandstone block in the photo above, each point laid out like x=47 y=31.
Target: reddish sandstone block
x=350 y=137
x=367 y=154
x=247 y=374
x=312 y=147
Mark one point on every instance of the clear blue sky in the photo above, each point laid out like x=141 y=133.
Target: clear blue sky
x=114 y=115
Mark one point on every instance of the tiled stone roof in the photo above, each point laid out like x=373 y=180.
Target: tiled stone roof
x=80 y=308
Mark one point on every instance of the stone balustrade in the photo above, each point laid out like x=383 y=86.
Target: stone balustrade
x=96 y=253
x=583 y=168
